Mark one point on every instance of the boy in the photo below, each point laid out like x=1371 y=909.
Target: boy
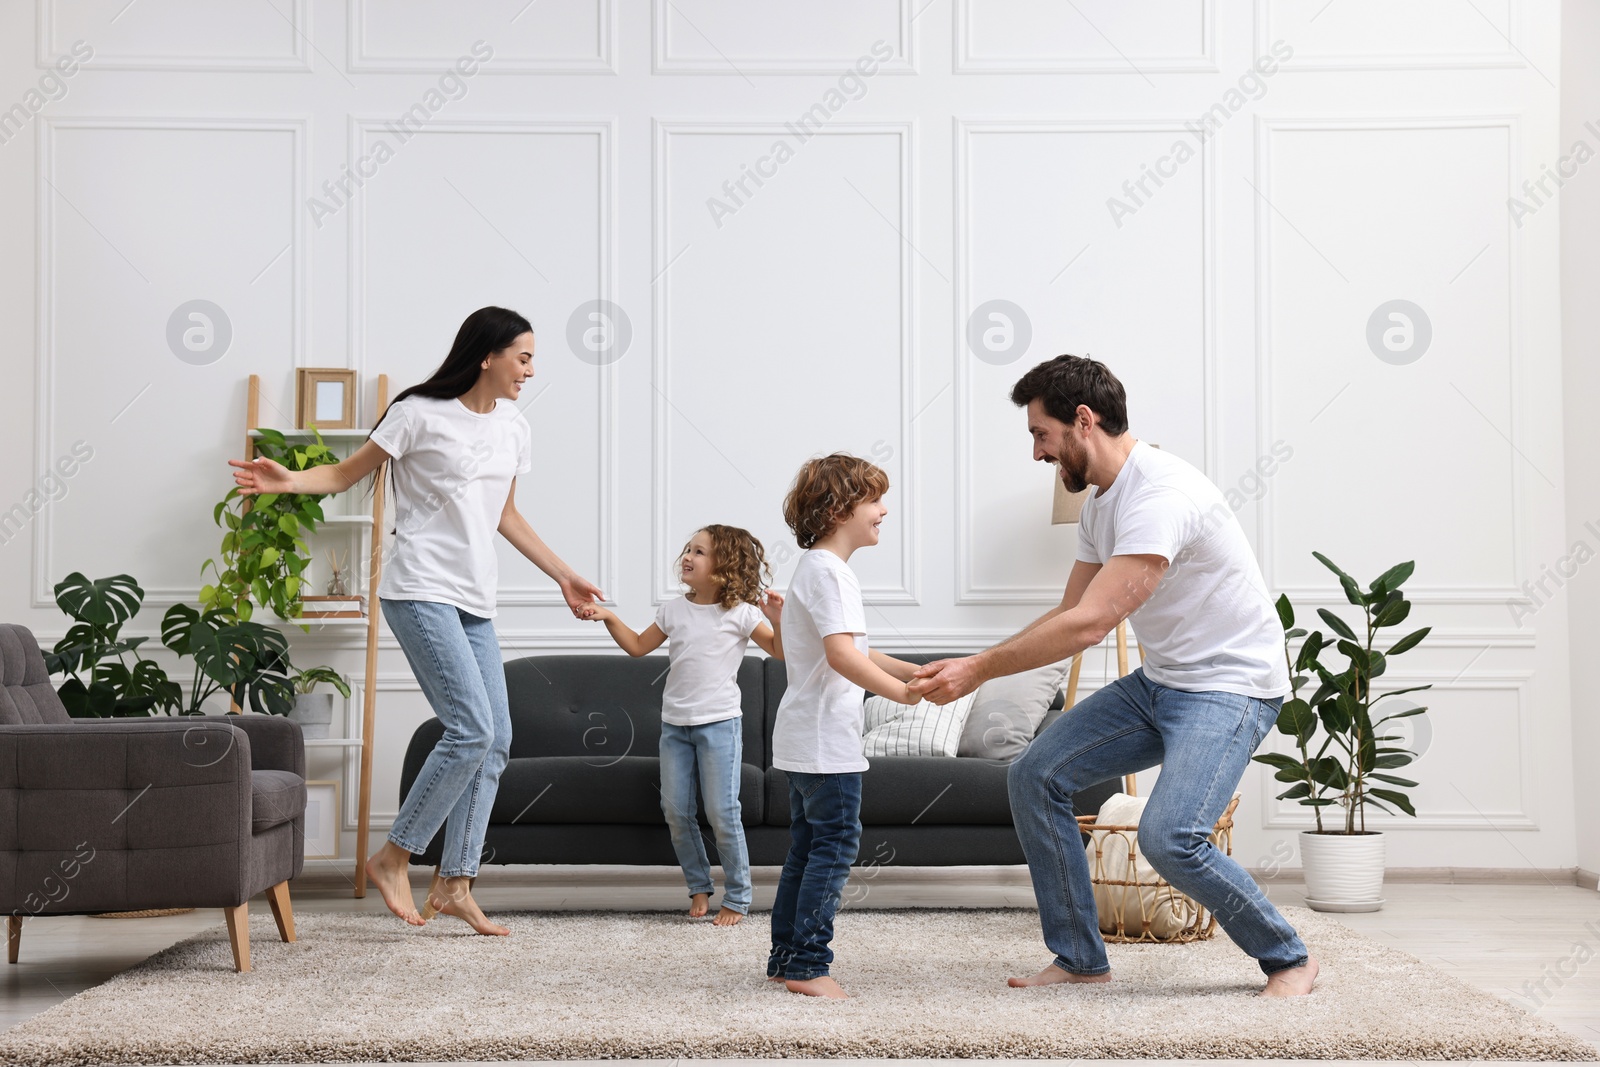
x=834 y=507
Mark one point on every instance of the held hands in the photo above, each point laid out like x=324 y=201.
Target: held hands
x=772 y=606
x=945 y=680
x=261 y=475
x=595 y=613
x=580 y=594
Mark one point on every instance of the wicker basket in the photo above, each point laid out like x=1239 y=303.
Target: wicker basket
x=1134 y=903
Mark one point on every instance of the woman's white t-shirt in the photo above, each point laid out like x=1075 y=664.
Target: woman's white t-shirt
x=452 y=474
x=818 y=728
x=707 y=643
x=1210 y=624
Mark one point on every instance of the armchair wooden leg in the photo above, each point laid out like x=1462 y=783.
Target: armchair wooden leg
x=278 y=897
x=13 y=937
x=239 y=935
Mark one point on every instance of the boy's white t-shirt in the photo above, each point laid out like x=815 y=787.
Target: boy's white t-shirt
x=1210 y=625
x=452 y=474
x=707 y=643
x=818 y=728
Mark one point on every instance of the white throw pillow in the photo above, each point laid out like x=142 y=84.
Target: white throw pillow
x=1008 y=710
x=925 y=729
x=1161 y=910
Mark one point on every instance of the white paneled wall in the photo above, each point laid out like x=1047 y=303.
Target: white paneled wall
x=801 y=214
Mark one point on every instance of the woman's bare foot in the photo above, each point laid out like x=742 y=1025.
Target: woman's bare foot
x=386 y=869
x=453 y=896
x=1053 y=975
x=699 y=904
x=1295 y=982
x=434 y=890
x=727 y=917
x=824 y=986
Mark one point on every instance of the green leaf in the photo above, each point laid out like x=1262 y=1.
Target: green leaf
x=1393 y=612
x=269 y=556
x=1285 y=611
x=1396 y=692
x=1393 y=780
x=1295 y=792
x=1399 y=800
x=1355 y=653
x=1409 y=641
x=289 y=525
x=1394 y=577
x=1297 y=720
x=1281 y=761
x=1336 y=624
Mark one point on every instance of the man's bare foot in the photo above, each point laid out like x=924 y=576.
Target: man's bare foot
x=386 y=869
x=824 y=986
x=1053 y=975
x=1295 y=982
x=699 y=904
x=727 y=917
x=453 y=896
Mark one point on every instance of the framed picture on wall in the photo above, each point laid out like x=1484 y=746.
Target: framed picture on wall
x=325 y=398
x=322 y=820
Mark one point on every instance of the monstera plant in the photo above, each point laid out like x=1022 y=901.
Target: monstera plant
x=247 y=660
x=101 y=680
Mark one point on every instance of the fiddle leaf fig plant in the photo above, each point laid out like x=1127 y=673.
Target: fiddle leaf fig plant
x=101 y=682
x=264 y=551
x=1351 y=767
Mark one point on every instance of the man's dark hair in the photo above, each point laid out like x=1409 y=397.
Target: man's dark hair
x=1067 y=381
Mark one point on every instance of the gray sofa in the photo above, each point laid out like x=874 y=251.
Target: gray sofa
x=126 y=814
x=583 y=784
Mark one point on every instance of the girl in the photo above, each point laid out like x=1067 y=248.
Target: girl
x=457 y=443
x=701 y=721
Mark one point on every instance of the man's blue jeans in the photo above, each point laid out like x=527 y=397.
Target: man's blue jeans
x=824 y=835
x=456 y=660
x=1203 y=742
x=711 y=752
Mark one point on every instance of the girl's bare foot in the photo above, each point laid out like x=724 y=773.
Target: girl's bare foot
x=727 y=917
x=823 y=986
x=386 y=869
x=1295 y=982
x=699 y=904
x=1053 y=975
x=453 y=896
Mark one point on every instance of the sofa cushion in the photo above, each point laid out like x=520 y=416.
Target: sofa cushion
x=914 y=790
x=1008 y=712
x=554 y=790
x=276 y=797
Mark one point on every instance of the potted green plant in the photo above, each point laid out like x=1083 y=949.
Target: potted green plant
x=264 y=552
x=247 y=660
x=93 y=654
x=314 y=711
x=1351 y=768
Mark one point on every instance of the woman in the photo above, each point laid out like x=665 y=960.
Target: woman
x=457 y=442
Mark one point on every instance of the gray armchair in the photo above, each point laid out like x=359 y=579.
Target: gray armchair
x=126 y=814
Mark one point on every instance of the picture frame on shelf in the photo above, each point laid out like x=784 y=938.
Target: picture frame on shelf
x=322 y=820
x=325 y=398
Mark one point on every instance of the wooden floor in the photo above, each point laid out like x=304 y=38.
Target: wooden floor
x=1537 y=945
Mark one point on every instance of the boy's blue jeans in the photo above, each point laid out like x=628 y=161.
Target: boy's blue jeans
x=456 y=660
x=713 y=753
x=824 y=835
x=1203 y=742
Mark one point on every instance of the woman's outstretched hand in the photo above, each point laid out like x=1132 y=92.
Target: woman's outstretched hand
x=579 y=594
x=261 y=475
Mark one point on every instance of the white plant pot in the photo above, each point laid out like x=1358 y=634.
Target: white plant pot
x=1344 y=872
x=314 y=713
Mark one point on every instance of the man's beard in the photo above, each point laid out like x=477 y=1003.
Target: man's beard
x=1074 y=468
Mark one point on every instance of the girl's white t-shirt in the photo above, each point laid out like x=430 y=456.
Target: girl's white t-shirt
x=818 y=729
x=707 y=642
x=453 y=469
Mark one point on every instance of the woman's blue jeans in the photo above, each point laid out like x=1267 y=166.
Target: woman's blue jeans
x=456 y=660
x=824 y=836
x=1203 y=742
x=712 y=753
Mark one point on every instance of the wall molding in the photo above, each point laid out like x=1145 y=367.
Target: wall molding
x=661 y=487
x=604 y=62
x=47 y=49
x=663 y=62
x=1303 y=61
x=606 y=415
x=966 y=63
x=965 y=129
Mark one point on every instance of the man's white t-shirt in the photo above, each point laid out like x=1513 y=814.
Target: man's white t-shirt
x=1210 y=624
x=452 y=474
x=818 y=728
x=707 y=643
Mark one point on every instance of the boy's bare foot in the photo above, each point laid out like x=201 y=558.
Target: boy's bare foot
x=1295 y=982
x=699 y=904
x=453 y=896
x=386 y=869
x=823 y=986
x=727 y=917
x=1053 y=975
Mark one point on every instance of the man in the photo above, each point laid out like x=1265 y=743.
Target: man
x=1158 y=545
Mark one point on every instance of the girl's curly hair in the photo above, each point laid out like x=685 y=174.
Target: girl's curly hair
x=738 y=565
x=826 y=491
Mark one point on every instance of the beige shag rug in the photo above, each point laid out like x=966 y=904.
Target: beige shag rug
x=925 y=983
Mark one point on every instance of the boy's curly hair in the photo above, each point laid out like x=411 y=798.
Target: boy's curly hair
x=739 y=565
x=826 y=491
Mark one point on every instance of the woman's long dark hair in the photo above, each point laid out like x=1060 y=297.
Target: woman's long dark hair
x=485 y=332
